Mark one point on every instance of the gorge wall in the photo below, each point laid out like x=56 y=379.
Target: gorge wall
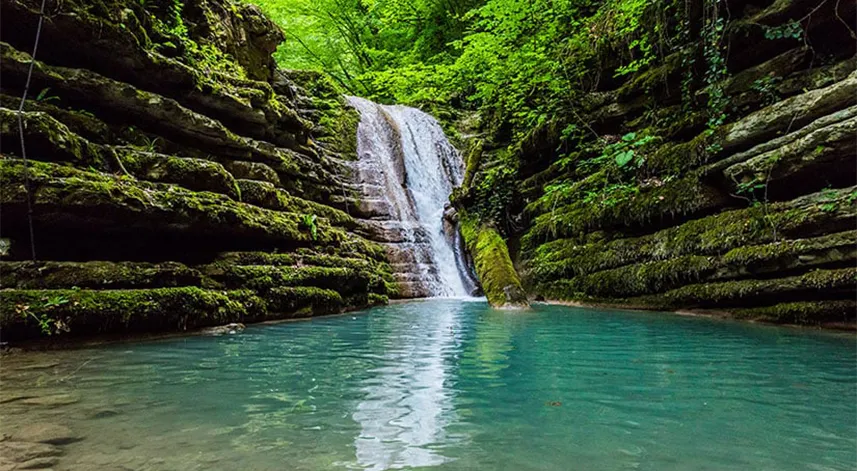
x=177 y=178
x=718 y=180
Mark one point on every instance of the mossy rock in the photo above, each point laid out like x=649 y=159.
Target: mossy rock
x=89 y=312
x=494 y=267
x=266 y=195
x=48 y=139
x=80 y=122
x=190 y=173
x=803 y=313
x=677 y=199
x=815 y=214
x=304 y=301
x=824 y=284
x=267 y=277
x=252 y=171
x=69 y=196
x=95 y=274
x=632 y=280
x=113 y=38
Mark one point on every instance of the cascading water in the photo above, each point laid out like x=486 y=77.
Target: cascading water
x=406 y=172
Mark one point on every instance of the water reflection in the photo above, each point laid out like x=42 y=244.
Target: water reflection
x=408 y=402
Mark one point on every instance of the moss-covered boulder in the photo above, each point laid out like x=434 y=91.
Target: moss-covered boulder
x=494 y=267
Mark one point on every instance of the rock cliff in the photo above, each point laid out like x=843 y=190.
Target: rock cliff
x=177 y=178
x=724 y=185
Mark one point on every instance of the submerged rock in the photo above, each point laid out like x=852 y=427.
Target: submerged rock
x=54 y=400
x=13 y=452
x=233 y=328
x=45 y=433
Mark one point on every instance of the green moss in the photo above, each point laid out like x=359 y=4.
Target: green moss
x=227 y=259
x=79 y=122
x=88 y=312
x=266 y=277
x=304 y=302
x=48 y=139
x=338 y=130
x=105 y=275
x=265 y=195
x=789 y=254
x=712 y=235
x=818 y=283
x=73 y=193
x=473 y=162
x=632 y=280
x=678 y=158
x=802 y=312
x=652 y=77
x=493 y=265
x=679 y=198
x=193 y=174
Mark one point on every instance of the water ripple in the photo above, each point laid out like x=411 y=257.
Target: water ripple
x=454 y=385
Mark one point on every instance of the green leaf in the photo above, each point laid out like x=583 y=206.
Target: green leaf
x=629 y=137
x=623 y=158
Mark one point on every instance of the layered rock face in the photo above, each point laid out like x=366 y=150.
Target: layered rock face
x=746 y=205
x=177 y=179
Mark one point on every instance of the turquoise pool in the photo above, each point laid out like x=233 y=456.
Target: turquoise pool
x=453 y=385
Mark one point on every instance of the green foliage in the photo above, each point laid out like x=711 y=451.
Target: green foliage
x=790 y=30
x=44 y=97
x=715 y=72
x=767 y=87
x=495 y=193
x=40 y=311
x=309 y=222
x=520 y=60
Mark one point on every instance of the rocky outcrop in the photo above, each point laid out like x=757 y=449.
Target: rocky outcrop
x=498 y=277
x=177 y=179
x=746 y=209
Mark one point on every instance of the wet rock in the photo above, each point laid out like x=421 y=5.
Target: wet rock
x=45 y=433
x=38 y=366
x=39 y=463
x=54 y=400
x=232 y=328
x=13 y=397
x=252 y=171
x=791 y=113
x=104 y=413
x=21 y=452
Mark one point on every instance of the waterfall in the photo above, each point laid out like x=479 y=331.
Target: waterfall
x=405 y=173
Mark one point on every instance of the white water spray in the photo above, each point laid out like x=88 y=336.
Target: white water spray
x=405 y=152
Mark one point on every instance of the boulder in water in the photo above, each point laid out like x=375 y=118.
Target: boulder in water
x=233 y=328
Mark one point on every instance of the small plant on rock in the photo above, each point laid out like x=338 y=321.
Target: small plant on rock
x=310 y=222
x=40 y=312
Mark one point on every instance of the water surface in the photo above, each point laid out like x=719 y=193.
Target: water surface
x=454 y=385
